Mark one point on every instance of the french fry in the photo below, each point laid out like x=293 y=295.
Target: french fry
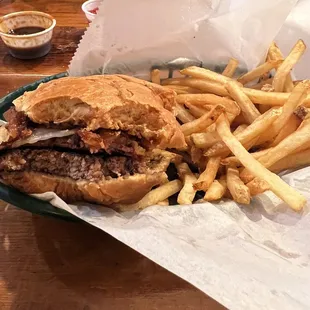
x=286 y=147
x=198 y=111
x=207 y=177
x=256 y=96
x=257 y=186
x=231 y=67
x=202 y=73
x=181 y=90
x=205 y=140
x=240 y=128
x=295 y=99
x=301 y=112
x=274 y=53
x=205 y=86
x=292 y=161
x=259 y=71
x=187 y=193
x=163 y=203
x=183 y=115
x=287 y=65
x=210 y=99
x=202 y=122
x=291 y=126
x=261 y=124
x=292 y=197
x=239 y=192
x=261 y=84
x=197 y=157
x=234 y=161
x=248 y=109
x=262 y=97
x=154 y=196
x=216 y=191
x=231 y=117
x=155 y=76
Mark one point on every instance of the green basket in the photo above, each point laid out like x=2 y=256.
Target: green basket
x=12 y=195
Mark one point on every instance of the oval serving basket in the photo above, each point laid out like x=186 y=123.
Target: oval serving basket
x=12 y=195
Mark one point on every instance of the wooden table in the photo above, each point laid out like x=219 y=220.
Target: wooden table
x=52 y=264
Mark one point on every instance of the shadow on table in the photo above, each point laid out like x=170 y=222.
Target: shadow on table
x=52 y=264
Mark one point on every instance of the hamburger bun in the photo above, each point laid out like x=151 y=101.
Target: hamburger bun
x=113 y=102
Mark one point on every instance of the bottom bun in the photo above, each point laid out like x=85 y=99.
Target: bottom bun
x=123 y=190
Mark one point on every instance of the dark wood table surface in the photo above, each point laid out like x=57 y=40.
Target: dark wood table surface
x=51 y=264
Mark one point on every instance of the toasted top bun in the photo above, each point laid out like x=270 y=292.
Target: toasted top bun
x=107 y=101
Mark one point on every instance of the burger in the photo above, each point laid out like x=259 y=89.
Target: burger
x=100 y=139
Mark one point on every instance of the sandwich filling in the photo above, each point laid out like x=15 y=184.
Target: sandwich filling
x=71 y=152
x=20 y=131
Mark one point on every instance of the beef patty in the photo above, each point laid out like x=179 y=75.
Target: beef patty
x=73 y=165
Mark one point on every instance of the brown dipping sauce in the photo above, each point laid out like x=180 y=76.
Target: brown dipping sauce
x=25 y=30
x=29 y=52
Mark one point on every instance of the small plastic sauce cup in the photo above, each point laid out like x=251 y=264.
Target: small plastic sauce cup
x=27 y=34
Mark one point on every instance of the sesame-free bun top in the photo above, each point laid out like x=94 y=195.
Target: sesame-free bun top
x=114 y=102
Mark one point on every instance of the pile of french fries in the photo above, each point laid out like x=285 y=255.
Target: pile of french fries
x=240 y=131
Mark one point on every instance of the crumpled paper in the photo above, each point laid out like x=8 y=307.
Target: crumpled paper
x=130 y=37
x=254 y=257
x=297 y=25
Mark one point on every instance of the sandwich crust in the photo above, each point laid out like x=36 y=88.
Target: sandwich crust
x=107 y=101
x=105 y=190
x=123 y=190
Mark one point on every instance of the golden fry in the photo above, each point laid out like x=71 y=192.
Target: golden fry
x=259 y=71
x=207 y=177
x=257 y=186
x=202 y=122
x=154 y=196
x=198 y=111
x=202 y=73
x=239 y=192
x=261 y=124
x=187 y=193
x=210 y=99
x=181 y=90
x=205 y=140
x=205 y=86
x=155 y=76
x=183 y=114
x=291 y=126
x=234 y=161
x=286 y=147
x=216 y=191
x=231 y=67
x=163 y=203
x=287 y=65
x=292 y=161
x=240 y=128
x=295 y=99
x=262 y=83
x=248 y=109
x=292 y=197
x=274 y=53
